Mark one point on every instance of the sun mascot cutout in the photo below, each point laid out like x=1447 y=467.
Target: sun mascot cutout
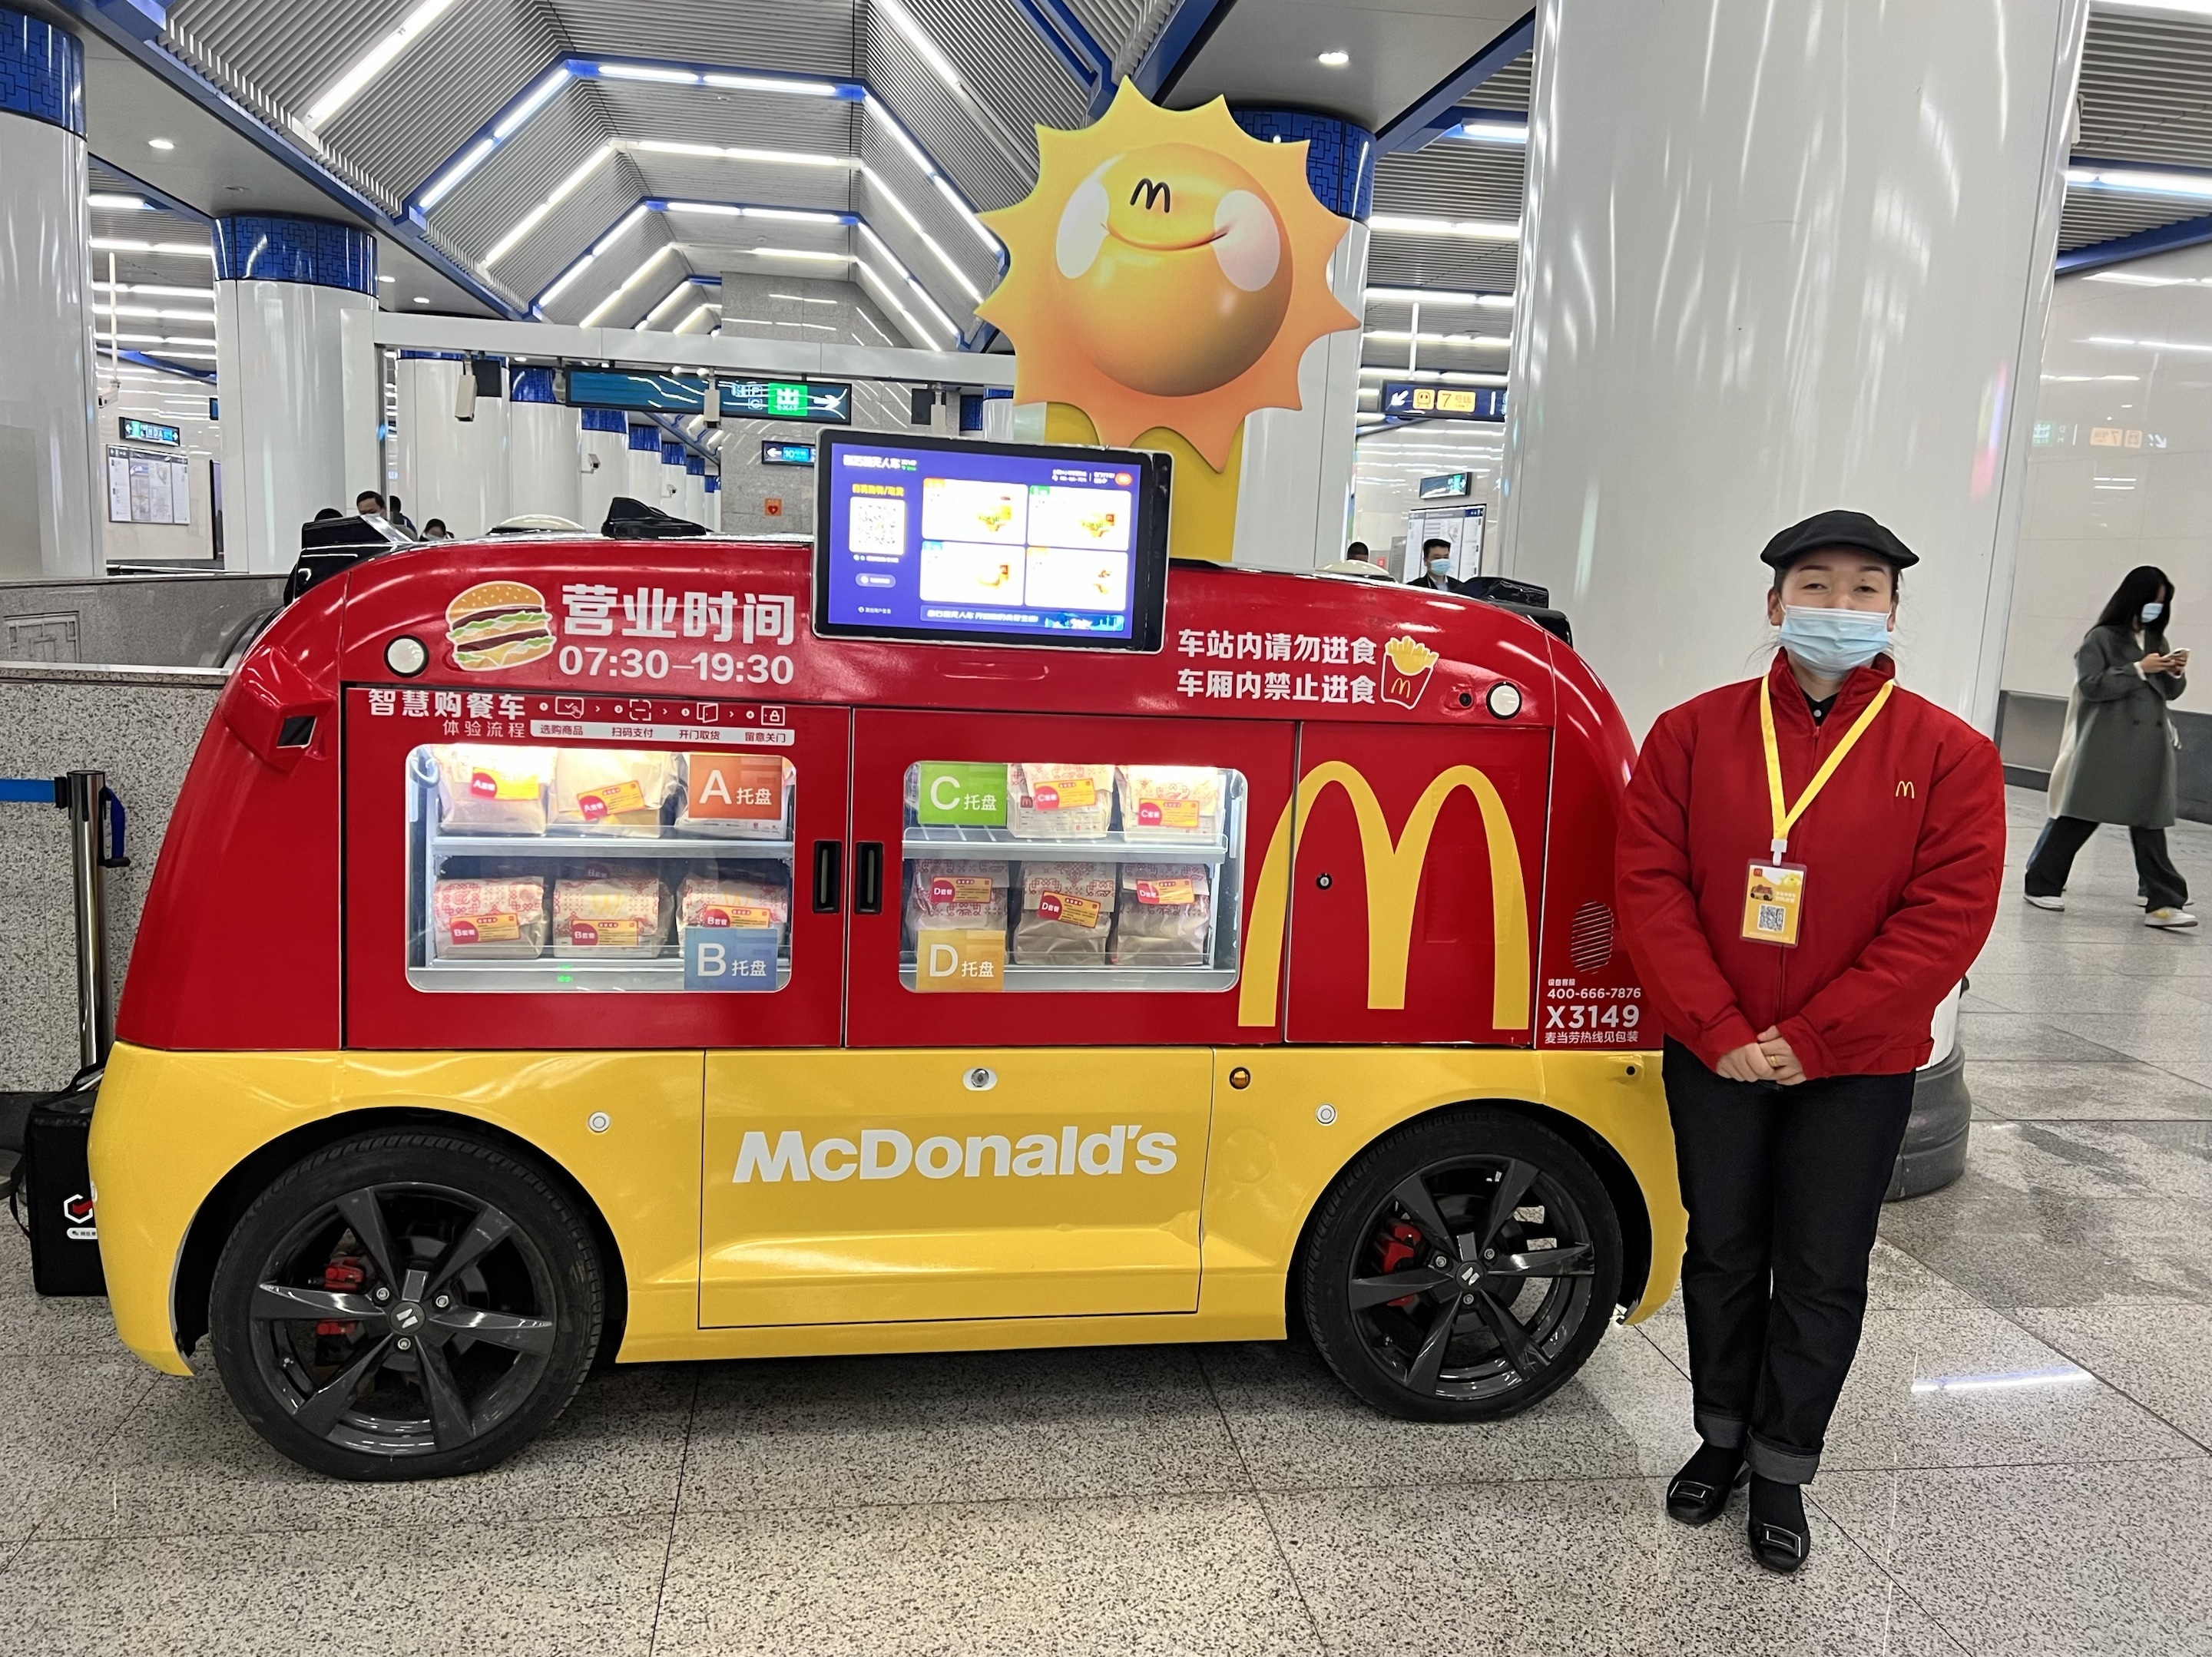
x=1165 y=277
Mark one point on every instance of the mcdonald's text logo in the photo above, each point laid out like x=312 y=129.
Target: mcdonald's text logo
x=1394 y=869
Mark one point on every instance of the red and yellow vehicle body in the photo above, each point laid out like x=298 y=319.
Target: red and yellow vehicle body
x=1421 y=910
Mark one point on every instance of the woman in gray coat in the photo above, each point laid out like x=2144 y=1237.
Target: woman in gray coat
x=2116 y=759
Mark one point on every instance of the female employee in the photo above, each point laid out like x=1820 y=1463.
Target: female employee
x=2116 y=761
x=1808 y=863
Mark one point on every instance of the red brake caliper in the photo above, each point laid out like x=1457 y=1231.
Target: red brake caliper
x=341 y=1275
x=1399 y=1242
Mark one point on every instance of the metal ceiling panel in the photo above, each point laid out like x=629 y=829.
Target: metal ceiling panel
x=703 y=115
x=1396 y=261
x=814 y=37
x=1453 y=180
x=572 y=227
x=156 y=226
x=700 y=178
x=990 y=170
x=525 y=170
x=2146 y=90
x=2094 y=215
x=894 y=169
x=583 y=295
x=1507 y=89
x=408 y=122
x=291 y=49
x=1007 y=65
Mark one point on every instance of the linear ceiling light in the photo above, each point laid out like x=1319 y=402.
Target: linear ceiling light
x=733 y=211
x=512 y=122
x=536 y=217
x=1400 y=337
x=593 y=316
x=152 y=313
x=877 y=244
x=1447 y=376
x=2134 y=181
x=667 y=304
x=1492 y=132
x=1437 y=297
x=450 y=179
x=738 y=153
x=682 y=77
x=118 y=204
x=914 y=152
x=915 y=331
x=959 y=277
x=178 y=249
x=765 y=83
x=1472 y=229
x=799 y=253
x=684 y=327
x=373 y=61
x=919 y=38
x=155 y=289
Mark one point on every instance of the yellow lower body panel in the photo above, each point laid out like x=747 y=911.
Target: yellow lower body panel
x=846 y=1202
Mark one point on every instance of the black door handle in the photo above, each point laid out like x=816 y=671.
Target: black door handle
x=828 y=875
x=868 y=877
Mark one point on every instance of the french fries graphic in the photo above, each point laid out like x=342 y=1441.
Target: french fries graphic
x=1406 y=664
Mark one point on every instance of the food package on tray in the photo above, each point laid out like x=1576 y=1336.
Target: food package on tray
x=1165 y=915
x=1058 y=802
x=1169 y=802
x=487 y=790
x=610 y=791
x=737 y=796
x=1067 y=914
x=620 y=917
x=495 y=920
x=718 y=900
x=957 y=895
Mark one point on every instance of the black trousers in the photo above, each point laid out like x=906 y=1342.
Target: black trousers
x=2052 y=860
x=1784 y=1189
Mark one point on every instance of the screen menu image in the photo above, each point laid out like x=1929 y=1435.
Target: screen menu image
x=942 y=540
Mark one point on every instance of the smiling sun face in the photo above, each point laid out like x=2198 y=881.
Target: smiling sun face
x=1168 y=270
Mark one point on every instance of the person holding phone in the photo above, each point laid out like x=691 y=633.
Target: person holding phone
x=2116 y=756
x=1807 y=862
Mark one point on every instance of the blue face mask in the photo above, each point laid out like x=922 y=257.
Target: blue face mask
x=2152 y=611
x=1440 y=566
x=1831 y=643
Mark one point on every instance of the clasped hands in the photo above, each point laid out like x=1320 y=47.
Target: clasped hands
x=1769 y=1059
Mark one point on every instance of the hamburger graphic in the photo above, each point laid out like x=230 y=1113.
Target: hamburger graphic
x=496 y=624
x=1407 y=664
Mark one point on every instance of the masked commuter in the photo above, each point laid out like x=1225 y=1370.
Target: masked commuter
x=1808 y=862
x=1436 y=567
x=2115 y=758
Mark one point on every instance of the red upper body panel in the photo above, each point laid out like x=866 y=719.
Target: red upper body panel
x=244 y=941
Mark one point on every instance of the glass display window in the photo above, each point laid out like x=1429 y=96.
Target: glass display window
x=1045 y=875
x=598 y=868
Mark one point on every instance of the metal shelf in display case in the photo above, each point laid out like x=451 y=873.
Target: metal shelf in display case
x=1114 y=846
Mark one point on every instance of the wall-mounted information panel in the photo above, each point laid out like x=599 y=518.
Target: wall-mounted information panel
x=147 y=488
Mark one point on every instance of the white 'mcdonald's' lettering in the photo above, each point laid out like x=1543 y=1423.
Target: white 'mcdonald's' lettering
x=884 y=1153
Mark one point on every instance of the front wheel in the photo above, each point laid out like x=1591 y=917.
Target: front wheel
x=1462 y=1268
x=405 y=1306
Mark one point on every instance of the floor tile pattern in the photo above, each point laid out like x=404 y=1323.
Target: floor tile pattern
x=2022 y=1463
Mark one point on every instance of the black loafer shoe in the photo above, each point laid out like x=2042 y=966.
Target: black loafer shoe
x=1777 y=1547
x=1695 y=1501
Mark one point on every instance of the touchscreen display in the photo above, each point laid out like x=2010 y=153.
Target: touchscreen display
x=938 y=539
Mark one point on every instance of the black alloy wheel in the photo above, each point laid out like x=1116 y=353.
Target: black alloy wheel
x=1462 y=1268
x=405 y=1306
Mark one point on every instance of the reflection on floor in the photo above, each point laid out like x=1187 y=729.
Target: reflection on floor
x=2019 y=1465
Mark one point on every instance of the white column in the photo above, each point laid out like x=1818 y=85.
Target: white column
x=282 y=287
x=1294 y=496
x=1768 y=270
x=712 y=520
x=694 y=491
x=449 y=467
x=644 y=484
x=544 y=449
x=671 y=498
x=53 y=495
x=603 y=466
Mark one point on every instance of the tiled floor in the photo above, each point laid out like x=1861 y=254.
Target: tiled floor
x=2054 y=1496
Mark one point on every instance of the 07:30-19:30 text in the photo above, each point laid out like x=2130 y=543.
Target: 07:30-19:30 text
x=711 y=666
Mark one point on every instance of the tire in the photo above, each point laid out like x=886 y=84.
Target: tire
x=1477 y=1336
x=326 y=1321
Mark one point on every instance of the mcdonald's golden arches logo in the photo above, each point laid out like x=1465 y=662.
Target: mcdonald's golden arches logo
x=1904 y=788
x=1394 y=867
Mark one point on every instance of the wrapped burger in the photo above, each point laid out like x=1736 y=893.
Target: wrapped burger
x=1170 y=802
x=1064 y=802
x=739 y=796
x=623 y=917
x=1164 y=916
x=497 y=919
x=485 y=790
x=1067 y=914
x=610 y=791
x=719 y=900
x=956 y=895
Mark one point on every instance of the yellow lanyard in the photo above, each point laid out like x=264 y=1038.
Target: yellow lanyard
x=1786 y=818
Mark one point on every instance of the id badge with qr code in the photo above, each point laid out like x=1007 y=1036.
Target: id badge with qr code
x=1774 y=899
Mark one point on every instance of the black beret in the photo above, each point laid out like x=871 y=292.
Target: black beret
x=1838 y=528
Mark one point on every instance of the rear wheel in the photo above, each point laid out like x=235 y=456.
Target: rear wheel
x=405 y=1306
x=1462 y=1268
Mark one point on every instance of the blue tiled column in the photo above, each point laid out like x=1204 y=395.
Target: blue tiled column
x=1293 y=505
x=48 y=368
x=282 y=284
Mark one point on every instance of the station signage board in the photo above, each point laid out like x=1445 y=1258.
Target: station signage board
x=1403 y=400
x=135 y=430
x=828 y=403
x=786 y=454
x=1446 y=486
x=825 y=402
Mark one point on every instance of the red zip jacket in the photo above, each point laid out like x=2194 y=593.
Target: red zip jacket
x=1904 y=854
